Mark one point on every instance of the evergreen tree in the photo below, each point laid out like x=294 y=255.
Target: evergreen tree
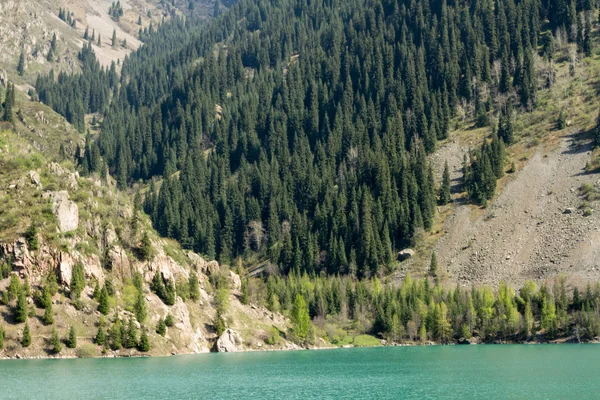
x=114 y=39
x=26 y=339
x=300 y=318
x=48 y=318
x=31 y=235
x=21 y=310
x=100 y=338
x=9 y=103
x=433 y=265
x=445 y=196
x=146 y=248
x=21 y=65
x=161 y=327
x=103 y=301
x=72 y=339
x=77 y=281
x=131 y=341
x=2 y=337
x=193 y=286
x=55 y=344
x=144 y=345
x=140 y=307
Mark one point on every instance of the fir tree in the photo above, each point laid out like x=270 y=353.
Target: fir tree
x=71 y=341
x=21 y=65
x=48 y=318
x=26 y=339
x=114 y=39
x=140 y=307
x=55 y=344
x=2 y=337
x=433 y=265
x=103 y=301
x=100 y=338
x=193 y=286
x=445 y=196
x=161 y=327
x=21 y=310
x=144 y=345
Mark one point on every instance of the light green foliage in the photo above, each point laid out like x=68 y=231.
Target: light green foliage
x=55 y=344
x=21 y=310
x=300 y=318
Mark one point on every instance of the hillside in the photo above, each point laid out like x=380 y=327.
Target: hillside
x=287 y=160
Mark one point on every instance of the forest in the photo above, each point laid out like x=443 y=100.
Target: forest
x=298 y=132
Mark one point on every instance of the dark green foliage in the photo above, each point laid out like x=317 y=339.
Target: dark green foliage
x=561 y=122
x=103 y=301
x=71 y=341
x=169 y=320
x=100 y=338
x=114 y=39
x=445 y=196
x=487 y=165
x=131 y=340
x=140 y=309
x=161 y=327
x=164 y=290
x=21 y=310
x=505 y=128
x=55 y=344
x=2 y=337
x=597 y=133
x=9 y=103
x=48 y=317
x=51 y=283
x=21 y=65
x=145 y=250
x=67 y=16
x=115 y=11
x=114 y=335
x=433 y=265
x=77 y=281
x=322 y=153
x=144 y=344
x=14 y=287
x=31 y=235
x=245 y=294
x=26 y=338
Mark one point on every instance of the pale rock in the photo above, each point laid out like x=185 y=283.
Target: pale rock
x=66 y=211
x=119 y=262
x=229 y=342
x=406 y=254
x=236 y=282
x=65 y=268
x=35 y=177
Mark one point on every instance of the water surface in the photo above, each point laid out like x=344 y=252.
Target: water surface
x=448 y=372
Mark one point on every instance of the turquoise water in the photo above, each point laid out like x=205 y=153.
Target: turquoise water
x=448 y=372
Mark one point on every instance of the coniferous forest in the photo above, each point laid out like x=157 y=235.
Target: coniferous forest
x=298 y=131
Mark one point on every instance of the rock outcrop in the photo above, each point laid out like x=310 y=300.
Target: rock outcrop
x=229 y=342
x=66 y=211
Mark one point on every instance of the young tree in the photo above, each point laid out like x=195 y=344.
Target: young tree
x=2 y=337
x=131 y=341
x=144 y=345
x=161 y=327
x=193 y=286
x=21 y=309
x=31 y=235
x=103 y=301
x=114 y=39
x=445 y=196
x=146 y=247
x=72 y=339
x=100 y=338
x=55 y=344
x=26 y=339
x=433 y=265
x=48 y=318
x=300 y=318
x=77 y=281
x=140 y=307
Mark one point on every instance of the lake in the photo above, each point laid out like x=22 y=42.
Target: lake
x=449 y=372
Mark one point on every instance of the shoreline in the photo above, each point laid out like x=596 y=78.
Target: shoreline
x=414 y=344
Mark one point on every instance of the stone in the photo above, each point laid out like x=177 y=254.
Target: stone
x=406 y=254
x=65 y=268
x=66 y=211
x=35 y=178
x=229 y=342
x=569 y=211
x=236 y=282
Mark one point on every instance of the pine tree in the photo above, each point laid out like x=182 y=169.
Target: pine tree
x=48 y=318
x=433 y=265
x=144 y=345
x=139 y=20
x=72 y=339
x=21 y=65
x=131 y=341
x=103 y=301
x=445 y=196
x=146 y=247
x=2 y=337
x=77 y=281
x=99 y=43
x=140 y=307
x=26 y=339
x=161 y=327
x=114 y=39
x=100 y=338
x=9 y=103
x=31 y=235
x=55 y=344
x=21 y=310
x=86 y=34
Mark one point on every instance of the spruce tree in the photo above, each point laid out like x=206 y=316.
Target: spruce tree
x=26 y=339
x=72 y=339
x=114 y=39
x=21 y=65
x=433 y=265
x=103 y=301
x=161 y=327
x=48 y=318
x=140 y=307
x=445 y=196
x=55 y=344
x=2 y=337
x=21 y=310
x=193 y=286
x=144 y=345
x=131 y=341
x=100 y=338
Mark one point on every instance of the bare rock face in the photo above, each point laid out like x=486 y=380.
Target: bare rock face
x=236 y=282
x=229 y=342
x=66 y=211
x=119 y=262
x=35 y=178
x=93 y=269
x=65 y=268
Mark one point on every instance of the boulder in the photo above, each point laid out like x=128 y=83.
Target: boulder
x=66 y=211
x=406 y=254
x=65 y=268
x=236 y=282
x=569 y=211
x=35 y=178
x=229 y=342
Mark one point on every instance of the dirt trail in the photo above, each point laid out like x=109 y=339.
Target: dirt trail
x=528 y=232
